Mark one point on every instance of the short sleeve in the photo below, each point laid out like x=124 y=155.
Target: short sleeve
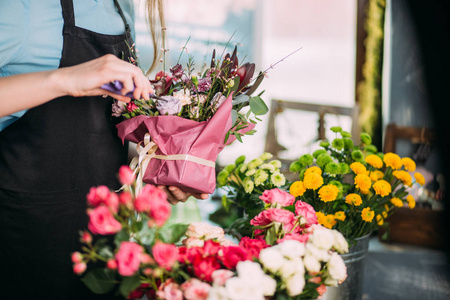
x=12 y=30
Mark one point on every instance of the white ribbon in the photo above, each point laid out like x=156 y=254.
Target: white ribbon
x=146 y=150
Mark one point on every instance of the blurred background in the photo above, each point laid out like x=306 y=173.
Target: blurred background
x=371 y=66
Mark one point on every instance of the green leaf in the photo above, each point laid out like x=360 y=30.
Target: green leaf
x=106 y=252
x=172 y=233
x=234 y=116
x=238 y=137
x=99 y=281
x=236 y=80
x=240 y=99
x=225 y=203
x=121 y=236
x=129 y=284
x=257 y=106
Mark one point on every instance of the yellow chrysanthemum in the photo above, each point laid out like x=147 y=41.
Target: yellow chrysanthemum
x=353 y=199
x=367 y=214
x=320 y=217
x=297 y=189
x=409 y=164
x=358 y=168
x=392 y=160
x=363 y=182
x=313 y=169
x=419 y=178
x=382 y=188
x=328 y=193
x=340 y=215
x=375 y=175
x=397 y=202
x=329 y=221
x=312 y=181
x=380 y=220
x=384 y=214
x=411 y=201
x=403 y=176
x=375 y=161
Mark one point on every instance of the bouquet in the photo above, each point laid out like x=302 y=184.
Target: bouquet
x=289 y=256
x=354 y=188
x=189 y=119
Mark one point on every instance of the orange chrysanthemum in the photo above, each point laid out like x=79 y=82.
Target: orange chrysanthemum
x=320 y=217
x=329 y=221
x=392 y=160
x=353 y=199
x=340 y=215
x=367 y=214
x=411 y=201
x=397 y=202
x=403 y=176
x=380 y=220
x=328 y=193
x=358 y=168
x=375 y=161
x=313 y=169
x=382 y=188
x=297 y=189
x=409 y=164
x=375 y=175
x=312 y=181
x=419 y=178
x=363 y=182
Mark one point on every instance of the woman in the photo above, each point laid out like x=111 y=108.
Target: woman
x=55 y=145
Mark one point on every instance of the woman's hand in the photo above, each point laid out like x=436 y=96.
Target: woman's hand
x=175 y=195
x=85 y=79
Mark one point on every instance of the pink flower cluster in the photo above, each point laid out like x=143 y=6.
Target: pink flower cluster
x=293 y=224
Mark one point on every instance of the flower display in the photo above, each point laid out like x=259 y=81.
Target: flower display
x=354 y=188
x=288 y=256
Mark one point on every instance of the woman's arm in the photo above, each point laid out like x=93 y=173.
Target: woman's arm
x=28 y=90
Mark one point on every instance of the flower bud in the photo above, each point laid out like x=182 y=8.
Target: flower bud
x=86 y=237
x=111 y=264
x=77 y=257
x=126 y=175
x=79 y=268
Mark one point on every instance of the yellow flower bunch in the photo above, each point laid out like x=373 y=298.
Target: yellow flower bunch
x=353 y=187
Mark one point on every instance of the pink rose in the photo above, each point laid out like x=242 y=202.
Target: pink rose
x=307 y=212
x=102 y=221
x=195 y=289
x=252 y=246
x=165 y=254
x=79 y=268
x=131 y=106
x=126 y=175
x=128 y=258
x=149 y=195
x=97 y=195
x=169 y=291
x=303 y=238
x=277 y=196
x=161 y=209
x=273 y=215
x=221 y=276
x=232 y=255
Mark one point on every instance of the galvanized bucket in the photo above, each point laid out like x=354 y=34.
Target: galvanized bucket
x=352 y=287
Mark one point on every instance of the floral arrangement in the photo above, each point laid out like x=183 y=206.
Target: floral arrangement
x=288 y=257
x=354 y=188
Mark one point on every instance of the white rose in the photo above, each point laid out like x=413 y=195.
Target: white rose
x=340 y=243
x=202 y=230
x=292 y=249
x=322 y=238
x=320 y=254
x=217 y=293
x=237 y=288
x=193 y=242
x=312 y=264
x=337 y=268
x=250 y=270
x=269 y=285
x=272 y=259
x=295 y=285
x=292 y=267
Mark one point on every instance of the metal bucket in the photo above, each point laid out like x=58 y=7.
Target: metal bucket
x=352 y=287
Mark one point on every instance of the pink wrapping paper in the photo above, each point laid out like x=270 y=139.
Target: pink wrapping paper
x=176 y=135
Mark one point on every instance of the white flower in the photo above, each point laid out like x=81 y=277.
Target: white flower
x=250 y=172
x=322 y=238
x=292 y=267
x=272 y=259
x=292 y=249
x=276 y=163
x=193 y=242
x=184 y=96
x=320 y=254
x=243 y=168
x=250 y=270
x=221 y=276
x=217 y=293
x=238 y=289
x=202 y=230
x=337 y=268
x=269 y=285
x=312 y=264
x=295 y=285
x=266 y=156
x=330 y=281
x=267 y=166
x=340 y=243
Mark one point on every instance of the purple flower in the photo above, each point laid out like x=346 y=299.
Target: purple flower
x=118 y=108
x=168 y=105
x=204 y=84
x=177 y=71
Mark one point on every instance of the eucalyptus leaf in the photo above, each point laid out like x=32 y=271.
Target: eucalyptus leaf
x=234 y=116
x=240 y=99
x=99 y=281
x=129 y=284
x=257 y=106
x=172 y=233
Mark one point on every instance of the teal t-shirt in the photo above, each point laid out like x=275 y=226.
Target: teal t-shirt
x=31 y=33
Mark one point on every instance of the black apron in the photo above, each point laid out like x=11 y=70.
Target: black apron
x=49 y=159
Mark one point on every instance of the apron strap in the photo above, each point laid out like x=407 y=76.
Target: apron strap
x=119 y=9
x=67 y=11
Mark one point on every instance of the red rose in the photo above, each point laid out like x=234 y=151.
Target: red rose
x=204 y=267
x=232 y=255
x=252 y=246
x=128 y=258
x=165 y=254
x=277 y=196
x=102 y=221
